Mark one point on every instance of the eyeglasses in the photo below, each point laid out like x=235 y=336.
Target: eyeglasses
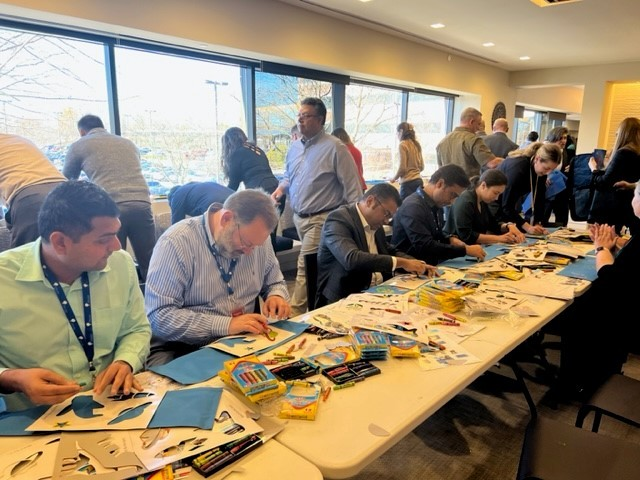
x=388 y=216
x=306 y=116
x=244 y=244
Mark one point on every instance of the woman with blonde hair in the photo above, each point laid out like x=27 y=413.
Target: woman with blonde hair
x=526 y=170
x=409 y=173
x=611 y=204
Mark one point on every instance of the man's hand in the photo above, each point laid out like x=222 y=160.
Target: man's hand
x=276 y=307
x=277 y=195
x=535 y=229
x=120 y=376
x=418 y=267
x=40 y=385
x=475 y=251
x=249 y=322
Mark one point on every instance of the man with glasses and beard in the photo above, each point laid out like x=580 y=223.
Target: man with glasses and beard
x=354 y=254
x=320 y=176
x=206 y=273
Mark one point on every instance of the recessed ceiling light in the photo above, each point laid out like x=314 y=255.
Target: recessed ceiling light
x=488 y=44
x=437 y=25
x=365 y=1
x=525 y=57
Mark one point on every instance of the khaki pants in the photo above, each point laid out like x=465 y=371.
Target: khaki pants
x=309 y=230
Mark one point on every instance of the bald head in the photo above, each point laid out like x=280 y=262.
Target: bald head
x=501 y=125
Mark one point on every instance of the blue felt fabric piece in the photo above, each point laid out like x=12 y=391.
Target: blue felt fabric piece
x=15 y=423
x=583 y=268
x=205 y=363
x=129 y=413
x=195 y=367
x=190 y=407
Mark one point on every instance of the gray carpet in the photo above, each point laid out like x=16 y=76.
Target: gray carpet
x=478 y=434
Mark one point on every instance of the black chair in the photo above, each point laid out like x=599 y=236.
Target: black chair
x=618 y=397
x=311 y=273
x=553 y=450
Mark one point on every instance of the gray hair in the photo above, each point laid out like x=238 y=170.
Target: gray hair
x=248 y=204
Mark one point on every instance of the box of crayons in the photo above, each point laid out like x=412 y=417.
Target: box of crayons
x=217 y=458
x=300 y=400
x=370 y=344
x=249 y=375
x=442 y=295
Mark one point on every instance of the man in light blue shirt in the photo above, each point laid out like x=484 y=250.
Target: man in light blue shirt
x=71 y=310
x=206 y=273
x=320 y=176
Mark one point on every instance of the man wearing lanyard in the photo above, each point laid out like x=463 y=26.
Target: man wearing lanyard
x=71 y=311
x=206 y=273
x=320 y=176
x=354 y=253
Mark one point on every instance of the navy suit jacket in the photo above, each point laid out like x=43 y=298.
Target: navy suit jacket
x=345 y=265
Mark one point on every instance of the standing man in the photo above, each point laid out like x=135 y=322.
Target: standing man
x=464 y=148
x=354 y=253
x=498 y=142
x=26 y=177
x=418 y=227
x=113 y=163
x=320 y=176
x=206 y=273
x=71 y=311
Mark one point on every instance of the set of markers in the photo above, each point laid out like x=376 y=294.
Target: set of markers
x=219 y=457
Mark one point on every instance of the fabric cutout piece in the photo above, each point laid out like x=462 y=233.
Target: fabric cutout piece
x=195 y=367
x=15 y=423
x=582 y=268
x=191 y=407
x=129 y=413
x=233 y=341
x=83 y=407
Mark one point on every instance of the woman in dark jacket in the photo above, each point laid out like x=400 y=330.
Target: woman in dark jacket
x=612 y=205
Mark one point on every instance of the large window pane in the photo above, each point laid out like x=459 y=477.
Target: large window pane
x=46 y=84
x=372 y=115
x=428 y=114
x=277 y=102
x=175 y=110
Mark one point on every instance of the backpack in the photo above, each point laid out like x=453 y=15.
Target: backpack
x=580 y=189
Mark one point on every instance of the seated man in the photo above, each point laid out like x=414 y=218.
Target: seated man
x=193 y=198
x=54 y=290
x=206 y=273
x=418 y=228
x=353 y=252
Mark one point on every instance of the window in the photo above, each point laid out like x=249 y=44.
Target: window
x=372 y=115
x=277 y=102
x=47 y=83
x=176 y=110
x=429 y=116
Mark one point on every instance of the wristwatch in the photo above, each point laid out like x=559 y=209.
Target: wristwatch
x=600 y=248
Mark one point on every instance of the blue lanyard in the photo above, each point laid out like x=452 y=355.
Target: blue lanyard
x=86 y=339
x=226 y=275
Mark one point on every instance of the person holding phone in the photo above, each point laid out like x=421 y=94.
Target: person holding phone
x=611 y=203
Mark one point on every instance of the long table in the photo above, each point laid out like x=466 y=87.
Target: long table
x=357 y=425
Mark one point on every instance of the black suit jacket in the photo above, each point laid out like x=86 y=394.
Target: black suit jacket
x=345 y=265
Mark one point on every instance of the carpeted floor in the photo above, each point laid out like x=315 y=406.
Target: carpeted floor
x=478 y=435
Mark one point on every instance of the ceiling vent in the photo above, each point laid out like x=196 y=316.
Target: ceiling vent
x=551 y=3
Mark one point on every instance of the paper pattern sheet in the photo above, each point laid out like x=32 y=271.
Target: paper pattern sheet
x=87 y=411
x=251 y=343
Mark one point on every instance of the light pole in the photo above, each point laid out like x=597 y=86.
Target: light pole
x=216 y=84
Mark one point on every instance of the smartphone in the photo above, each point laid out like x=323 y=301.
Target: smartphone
x=599 y=154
